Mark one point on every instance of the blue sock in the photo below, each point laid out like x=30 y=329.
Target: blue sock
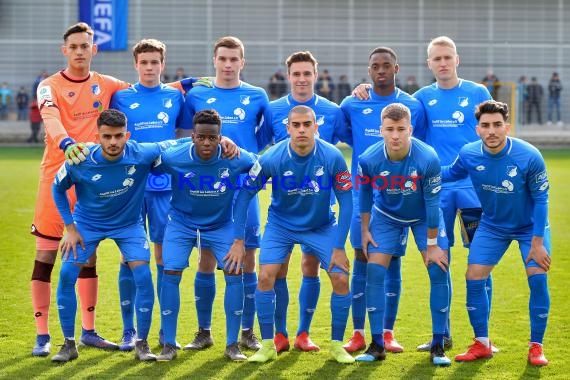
x=127 y=291
x=375 y=299
x=204 y=292
x=437 y=339
x=538 y=306
x=170 y=307
x=233 y=306
x=478 y=307
x=66 y=298
x=159 y=273
x=265 y=304
x=447 y=332
x=438 y=299
x=392 y=289
x=358 y=286
x=249 y=286
x=340 y=306
x=489 y=289
x=144 y=299
x=281 y=305
x=308 y=298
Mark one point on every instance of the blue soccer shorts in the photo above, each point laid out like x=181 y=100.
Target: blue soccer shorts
x=392 y=235
x=182 y=236
x=489 y=245
x=155 y=209
x=278 y=242
x=131 y=241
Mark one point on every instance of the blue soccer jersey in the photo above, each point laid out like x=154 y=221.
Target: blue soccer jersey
x=242 y=109
x=406 y=191
x=511 y=185
x=301 y=189
x=203 y=189
x=451 y=119
x=330 y=119
x=363 y=118
x=153 y=114
x=109 y=193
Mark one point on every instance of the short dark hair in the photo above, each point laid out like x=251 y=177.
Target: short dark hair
x=492 y=106
x=149 y=45
x=302 y=110
x=112 y=118
x=207 y=117
x=301 y=56
x=396 y=112
x=384 y=49
x=80 y=27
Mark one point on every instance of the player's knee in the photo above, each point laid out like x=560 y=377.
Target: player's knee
x=88 y=272
x=265 y=281
x=173 y=272
x=340 y=283
x=249 y=260
x=359 y=255
x=283 y=270
x=310 y=266
x=42 y=271
x=207 y=263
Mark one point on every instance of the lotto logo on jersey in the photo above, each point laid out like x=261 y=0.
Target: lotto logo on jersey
x=367 y=111
x=211 y=100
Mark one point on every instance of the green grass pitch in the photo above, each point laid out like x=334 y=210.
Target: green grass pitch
x=509 y=327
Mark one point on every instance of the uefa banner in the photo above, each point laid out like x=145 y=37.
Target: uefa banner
x=109 y=20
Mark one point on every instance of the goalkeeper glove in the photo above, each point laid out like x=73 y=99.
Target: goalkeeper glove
x=74 y=152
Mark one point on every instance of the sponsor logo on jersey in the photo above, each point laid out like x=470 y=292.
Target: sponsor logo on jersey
x=385 y=173
x=512 y=171
x=190 y=175
x=71 y=94
x=163 y=116
x=544 y=186
x=458 y=115
x=244 y=99
x=128 y=182
x=96 y=177
x=240 y=113
x=98 y=105
x=134 y=106
x=95 y=89
x=432 y=102
x=62 y=172
x=436 y=189
x=167 y=103
x=288 y=173
x=44 y=96
x=367 y=111
x=211 y=100
x=254 y=171
x=463 y=101
x=541 y=177
x=508 y=185
x=480 y=168
x=131 y=169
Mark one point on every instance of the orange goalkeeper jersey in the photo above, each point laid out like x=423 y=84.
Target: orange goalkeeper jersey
x=70 y=108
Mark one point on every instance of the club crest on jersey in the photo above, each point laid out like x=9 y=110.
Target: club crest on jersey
x=211 y=100
x=463 y=101
x=95 y=89
x=244 y=99
x=512 y=171
x=320 y=120
x=285 y=121
x=240 y=113
x=224 y=172
x=319 y=170
x=131 y=169
x=167 y=103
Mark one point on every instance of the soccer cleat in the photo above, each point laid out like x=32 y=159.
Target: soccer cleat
x=93 y=339
x=447 y=345
x=373 y=353
x=168 y=353
x=142 y=351
x=233 y=352
x=128 y=340
x=265 y=353
x=304 y=343
x=249 y=340
x=356 y=343
x=42 y=346
x=494 y=348
x=202 y=339
x=391 y=344
x=438 y=356
x=476 y=351
x=281 y=343
x=67 y=353
x=535 y=355
x=339 y=353
x=161 y=340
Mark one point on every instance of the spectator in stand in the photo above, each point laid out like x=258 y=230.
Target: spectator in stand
x=534 y=93
x=22 y=101
x=554 y=89
x=5 y=99
x=41 y=76
x=325 y=85
x=35 y=121
x=343 y=89
x=179 y=74
x=411 y=85
x=277 y=86
x=492 y=83
x=522 y=97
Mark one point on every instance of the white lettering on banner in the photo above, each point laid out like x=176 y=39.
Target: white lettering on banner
x=103 y=22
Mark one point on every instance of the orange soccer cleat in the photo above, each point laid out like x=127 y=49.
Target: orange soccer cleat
x=535 y=355
x=356 y=343
x=391 y=344
x=304 y=343
x=281 y=342
x=476 y=351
